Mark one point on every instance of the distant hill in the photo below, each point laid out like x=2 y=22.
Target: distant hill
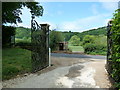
x=98 y=31
x=22 y=32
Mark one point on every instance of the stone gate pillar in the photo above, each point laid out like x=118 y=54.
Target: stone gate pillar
x=45 y=28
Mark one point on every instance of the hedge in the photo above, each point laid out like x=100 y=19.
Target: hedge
x=115 y=56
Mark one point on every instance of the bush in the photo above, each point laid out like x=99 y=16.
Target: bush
x=115 y=49
x=95 y=44
x=89 y=47
x=75 y=40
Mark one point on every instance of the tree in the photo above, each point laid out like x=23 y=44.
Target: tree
x=55 y=38
x=11 y=11
x=88 y=39
x=75 y=40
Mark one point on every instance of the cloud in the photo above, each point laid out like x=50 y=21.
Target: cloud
x=110 y=6
x=87 y=23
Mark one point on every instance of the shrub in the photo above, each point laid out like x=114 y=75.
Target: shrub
x=95 y=44
x=115 y=56
x=75 y=40
x=89 y=47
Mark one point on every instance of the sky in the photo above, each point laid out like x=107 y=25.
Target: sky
x=72 y=16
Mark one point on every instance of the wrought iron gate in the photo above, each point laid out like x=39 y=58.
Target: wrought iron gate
x=40 y=45
x=109 y=46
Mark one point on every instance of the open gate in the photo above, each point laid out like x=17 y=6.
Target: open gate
x=109 y=46
x=40 y=45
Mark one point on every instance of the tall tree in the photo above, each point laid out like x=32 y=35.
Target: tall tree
x=11 y=11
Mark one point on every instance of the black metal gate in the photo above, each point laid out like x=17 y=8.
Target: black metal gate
x=40 y=45
x=109 y=46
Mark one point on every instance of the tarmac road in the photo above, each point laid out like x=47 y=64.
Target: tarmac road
x=78 y=56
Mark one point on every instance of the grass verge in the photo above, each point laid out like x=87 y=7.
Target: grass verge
x=76 y=48
x=15 y=61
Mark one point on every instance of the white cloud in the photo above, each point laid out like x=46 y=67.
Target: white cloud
x=87 y=23
x=111 y=6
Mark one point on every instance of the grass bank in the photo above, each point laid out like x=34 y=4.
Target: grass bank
x=81 y=49
x=76 y=48
x=15 y=61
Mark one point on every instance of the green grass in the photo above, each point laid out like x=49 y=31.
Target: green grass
x=76 y=48
x=15 y=61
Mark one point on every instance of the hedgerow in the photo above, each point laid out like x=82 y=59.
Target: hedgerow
x=115 y=57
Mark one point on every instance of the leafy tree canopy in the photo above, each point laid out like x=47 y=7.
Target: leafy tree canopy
x=11 y=11
x=88 y=39
x=75 y=40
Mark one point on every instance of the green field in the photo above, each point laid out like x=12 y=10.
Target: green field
x=76 y=48
x=15 y=61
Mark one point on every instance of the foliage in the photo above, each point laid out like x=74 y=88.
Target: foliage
x=95 y=44
x=88 y=39
x=95 y=32
x=7 y=32
x=116 y=48
x=22 y=35
x=55 y=38
x=15 y=61
x=75 y=40
x=11 y=11
x=89 y=47
x=69 y=34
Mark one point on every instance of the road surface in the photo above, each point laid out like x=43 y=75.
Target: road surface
x=68 y=71
x=78 y=56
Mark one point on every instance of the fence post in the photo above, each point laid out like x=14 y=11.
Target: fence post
x=49 y=57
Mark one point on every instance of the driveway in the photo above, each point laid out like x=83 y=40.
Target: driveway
x=67 y=71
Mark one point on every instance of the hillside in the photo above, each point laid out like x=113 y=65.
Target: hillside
x=98 y=31
x=22 y=33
